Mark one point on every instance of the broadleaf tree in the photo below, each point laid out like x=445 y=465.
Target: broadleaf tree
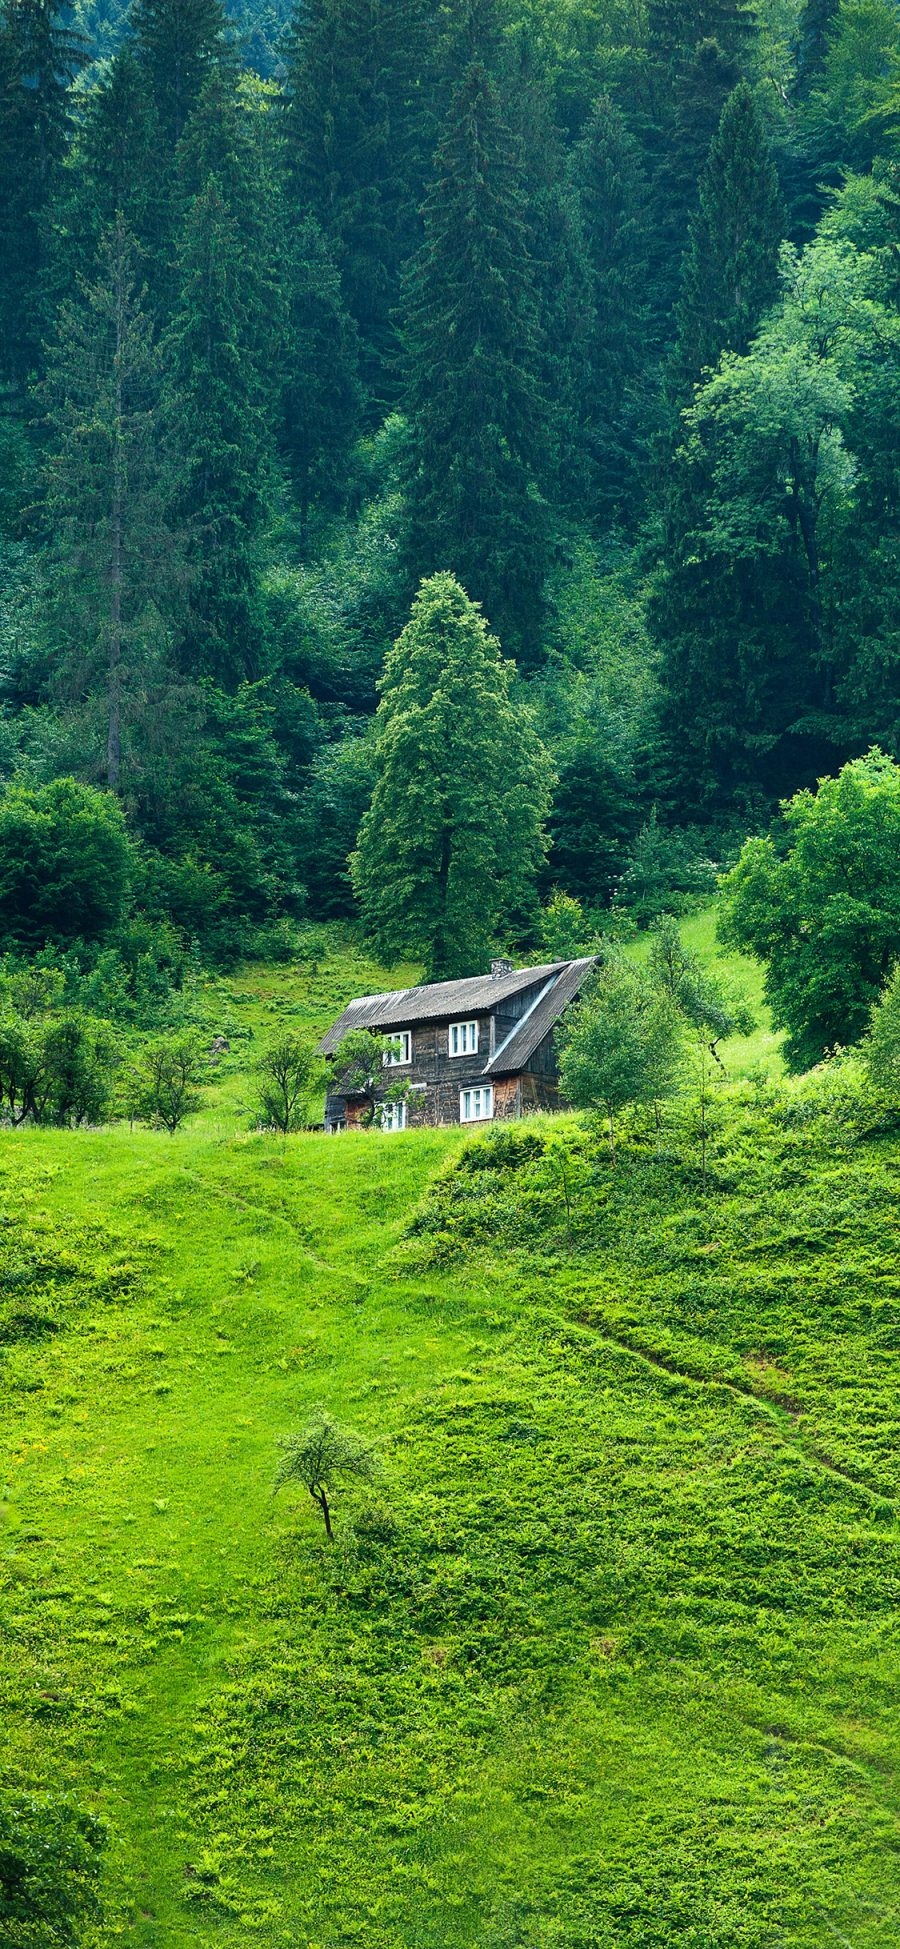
x=820 y=909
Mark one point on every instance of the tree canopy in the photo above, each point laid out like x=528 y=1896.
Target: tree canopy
x=821 y=908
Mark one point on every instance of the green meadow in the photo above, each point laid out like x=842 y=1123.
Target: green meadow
x=606 y=1658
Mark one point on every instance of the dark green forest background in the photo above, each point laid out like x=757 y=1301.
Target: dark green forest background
x=594 y=305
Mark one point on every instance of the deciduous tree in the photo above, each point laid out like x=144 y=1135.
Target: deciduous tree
x=622 y=1045
x=821 y=909
x=322 y=1455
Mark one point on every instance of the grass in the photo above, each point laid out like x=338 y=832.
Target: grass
x=609 y=1660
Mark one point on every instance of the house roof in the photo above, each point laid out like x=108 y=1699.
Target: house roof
x=557 y=992
x=441 y=1001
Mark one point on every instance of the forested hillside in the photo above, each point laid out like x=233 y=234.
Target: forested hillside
x=593 y=309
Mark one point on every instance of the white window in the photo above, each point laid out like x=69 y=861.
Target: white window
x=401 y=1051
x=393 y=1116
x=475 y=1105
x=463 y=1039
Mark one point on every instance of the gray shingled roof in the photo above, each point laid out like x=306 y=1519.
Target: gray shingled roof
x=440 y=1001
x=559 y=990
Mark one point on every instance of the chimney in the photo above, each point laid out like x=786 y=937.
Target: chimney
x=501 y=967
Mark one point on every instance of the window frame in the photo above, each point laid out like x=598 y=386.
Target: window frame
x=460 y=1029
x=477 y=1089
x=403 y=1036
x=395 y=1109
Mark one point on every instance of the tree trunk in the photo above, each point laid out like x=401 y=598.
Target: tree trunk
x=322 y=1500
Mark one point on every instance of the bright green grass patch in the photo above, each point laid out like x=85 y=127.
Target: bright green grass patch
x=608 y=1663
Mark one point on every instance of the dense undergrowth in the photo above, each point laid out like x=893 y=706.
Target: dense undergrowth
x=607 y=1660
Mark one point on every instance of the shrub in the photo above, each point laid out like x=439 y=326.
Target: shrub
x=66 y=863
x=667 y=872
x=50 y=1862
x=881 y=1044
x=565 y=932
x=622 y=1045
x=55 y=1069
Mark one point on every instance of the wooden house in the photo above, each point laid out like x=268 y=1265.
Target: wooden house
x=468 y=1051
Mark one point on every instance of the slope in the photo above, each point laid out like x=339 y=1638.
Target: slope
x=607 y=1662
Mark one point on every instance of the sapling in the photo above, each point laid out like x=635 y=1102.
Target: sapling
x=289 y=1071
x=623 y=1045
x=321 y=1455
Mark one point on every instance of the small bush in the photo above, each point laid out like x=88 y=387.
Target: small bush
x=667 y=873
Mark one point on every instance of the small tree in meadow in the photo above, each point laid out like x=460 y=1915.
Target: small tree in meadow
x=623 y=1045
x=289 y=1071
x=55 y=1069
x=323 y=1454
x=712 y=1008
x=166 y=1083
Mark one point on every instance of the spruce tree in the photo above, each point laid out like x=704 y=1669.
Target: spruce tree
x=817 y=18
x=448 y=852
x=322 y=393
x=113 y=171
x=231 y=136
x=223 y=441
x=556 y=245
x=177 y=43
x=113 y=555
x=359 y=136
x=608 y=178
x=39 y=57
x=730 y=272
x=698 y=51
x=478 y=449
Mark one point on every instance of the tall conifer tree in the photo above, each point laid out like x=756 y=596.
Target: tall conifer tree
x=231 y=136
x=608 y=179
x=450 y=848
x=478 y=448
x=322 y=394
x=114 y=172
x=223 y=439
x=360 y=133
x=730 y=272
x=39 y=56
x=178 y=41
x=106 y=490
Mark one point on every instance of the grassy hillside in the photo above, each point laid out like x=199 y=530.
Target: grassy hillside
x=607 y=1661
